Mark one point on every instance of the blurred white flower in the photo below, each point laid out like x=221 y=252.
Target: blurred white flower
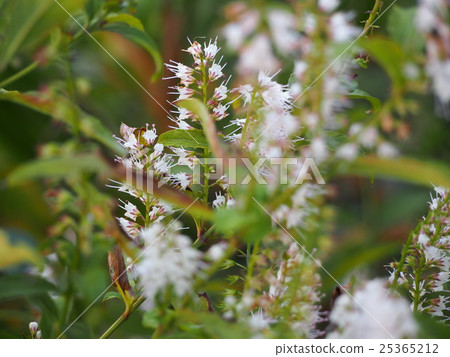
x=328 y=5
x=341 y=29
x=372 y=313
x=250 y=60
x=168 y=260
x=387 y=150
x=347 y=151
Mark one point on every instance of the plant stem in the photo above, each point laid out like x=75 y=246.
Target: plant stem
x=122 y=318
x=373 y=15
x=114 y=326
x=251 y=263
x=19 y=74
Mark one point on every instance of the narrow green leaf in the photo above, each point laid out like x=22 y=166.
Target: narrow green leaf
x=184 y=138
x=64 y=110
x=13 y=286
x=209 y=128
x=360 y=94
x=128 y=19
x=112 y=295
x=140 y=38
x=404 y=169
x=60 y=167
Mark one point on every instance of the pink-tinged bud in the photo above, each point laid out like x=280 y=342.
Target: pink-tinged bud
x=33 y=326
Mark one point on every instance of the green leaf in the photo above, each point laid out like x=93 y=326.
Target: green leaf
x=28 y=22
x=209 y=128
x=360 y=94
x=112 y=295
x=59 y=168
x=126 y=19
x=140 y=38
x=251 y=225
x=151 y=319
x=14 y=286
x=64 y=110
x=335 y=139
x=401 y=28
x=430 y=327
x=389 y=55
x=15 y=254
x=184 y=138
x=404 y=169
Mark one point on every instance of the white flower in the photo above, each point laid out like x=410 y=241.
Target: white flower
x=318 y=149
x=368 y=137
x=250 y=62
x=283 y=27
x=182 y=179
x=217 y=251
x=39 y=335
x=328 y=5
x=181 y=71
x=183 y=92
x=168 y=260
x=439 y=71
x=347 y=151
x=215 y=72
x=150 y=135
x=258 y=321
x=275 y=95
x=235 y=33
x=131 y=143
x=423 y=239
x=387 y=150
x=131 y=211
x=220 y=111
x=195 y=49
x=372 y=313
x=159 y=148
x=219 y=201
x=211 y=50
x=340 y=28
x=33 y=326
x=220 y=93
x=300 y=68
x=246 y=91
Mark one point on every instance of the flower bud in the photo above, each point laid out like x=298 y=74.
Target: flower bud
x=39 y=335
x=33 y=326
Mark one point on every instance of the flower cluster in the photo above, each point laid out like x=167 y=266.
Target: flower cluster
x=431 y=21
x=371 y=312
x=168 y=261
x=200 y=81
x=425 y=271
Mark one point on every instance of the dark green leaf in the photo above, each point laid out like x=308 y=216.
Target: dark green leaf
x=360 y=94
x=14 y=286
x=62 y=109
x=405 y=169
x=402 y=29
x=60 y=167
x=184 y=138
x=112 y=295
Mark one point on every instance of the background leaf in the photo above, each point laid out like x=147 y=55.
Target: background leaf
x=140 y=38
